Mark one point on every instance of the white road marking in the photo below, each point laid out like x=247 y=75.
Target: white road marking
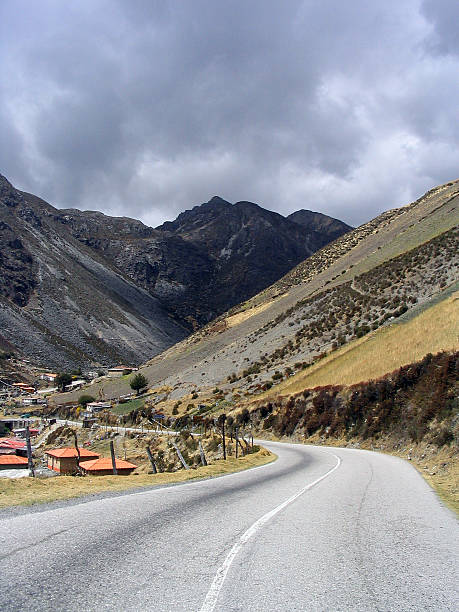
x=216 y=586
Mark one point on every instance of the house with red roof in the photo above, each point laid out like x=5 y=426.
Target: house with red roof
x=64 y=460
x=12 y=462
x=104 y=467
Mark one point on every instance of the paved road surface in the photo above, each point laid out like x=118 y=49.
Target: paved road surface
x=319 y=529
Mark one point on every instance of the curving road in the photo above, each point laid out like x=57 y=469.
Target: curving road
x=319 y=529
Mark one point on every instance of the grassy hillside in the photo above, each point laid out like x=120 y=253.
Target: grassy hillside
x=431 y=328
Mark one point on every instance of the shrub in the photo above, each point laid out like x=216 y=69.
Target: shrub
x=84 y=400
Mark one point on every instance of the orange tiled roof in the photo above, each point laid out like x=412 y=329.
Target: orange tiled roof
x=71 y=452
x=12 y=460
x=105 y=463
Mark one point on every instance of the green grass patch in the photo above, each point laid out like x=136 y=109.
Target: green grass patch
x=125 y=408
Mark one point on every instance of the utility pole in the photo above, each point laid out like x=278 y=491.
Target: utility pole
x=112 y=452
x=29 y=453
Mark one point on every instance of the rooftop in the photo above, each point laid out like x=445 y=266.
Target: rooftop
x=12 y=460
x=70 y=451
x=105 y=463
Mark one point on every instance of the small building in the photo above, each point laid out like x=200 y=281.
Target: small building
x=13 y=444
x=104 y=467
x=49 y=376
x=93 y=407
x=22 y=432
x=119 y=371
x=34 y=400
x=64 y=460
x=89 y=421
x=10 y=423
x=12 y=462
x=76 y=384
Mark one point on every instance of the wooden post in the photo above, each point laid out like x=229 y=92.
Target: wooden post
x=201 y=452
x=29 y=453
x=75 y=441
x=112 y=452
x=150 y=457
x=237 y=441
x=223 y=419
x=180 y=456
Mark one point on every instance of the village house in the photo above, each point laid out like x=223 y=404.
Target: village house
x=119 y=371
x=21 y=432
x=93 y=407
x=64 y=460
x=7 y=424
x=13 y=446
x=12 y=462
x=23 y=387
x=33 y=400
x=104 y=467
x=49 y=376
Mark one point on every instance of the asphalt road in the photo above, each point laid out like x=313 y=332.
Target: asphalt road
x=319 y=529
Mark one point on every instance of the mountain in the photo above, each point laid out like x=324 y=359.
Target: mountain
x=349 y=292
x=80 y=287
x=63 y=305
x=248 y=249
x=323 y=224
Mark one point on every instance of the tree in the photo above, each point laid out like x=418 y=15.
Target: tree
x=84 y=400
x=62 y=380
x=138 y=383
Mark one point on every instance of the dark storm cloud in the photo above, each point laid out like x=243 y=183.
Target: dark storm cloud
x=145 y=108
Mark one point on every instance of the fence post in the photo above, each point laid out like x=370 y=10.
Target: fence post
x=180 y=456
x=201 y=452
x=150 y=457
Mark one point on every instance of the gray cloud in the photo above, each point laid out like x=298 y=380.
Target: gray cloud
x=146 y=108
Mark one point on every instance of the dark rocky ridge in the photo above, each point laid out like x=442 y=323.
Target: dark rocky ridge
x=328 y=227
x=81 y=287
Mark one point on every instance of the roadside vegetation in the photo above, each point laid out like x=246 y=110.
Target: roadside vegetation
x=412 y=411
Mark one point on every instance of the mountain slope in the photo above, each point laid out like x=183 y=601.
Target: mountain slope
x=63 y=306
x=360 y=282
x=80 y=288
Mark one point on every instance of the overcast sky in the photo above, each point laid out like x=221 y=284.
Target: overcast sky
x=145 y=107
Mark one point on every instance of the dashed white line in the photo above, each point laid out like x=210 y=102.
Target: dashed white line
x=217 y=584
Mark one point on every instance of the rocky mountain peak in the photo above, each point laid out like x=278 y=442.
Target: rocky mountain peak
x=8 y=194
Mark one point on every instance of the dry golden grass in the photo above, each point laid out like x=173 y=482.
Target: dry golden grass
x=29 y=491
x=240 y=317
x=385 y=350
